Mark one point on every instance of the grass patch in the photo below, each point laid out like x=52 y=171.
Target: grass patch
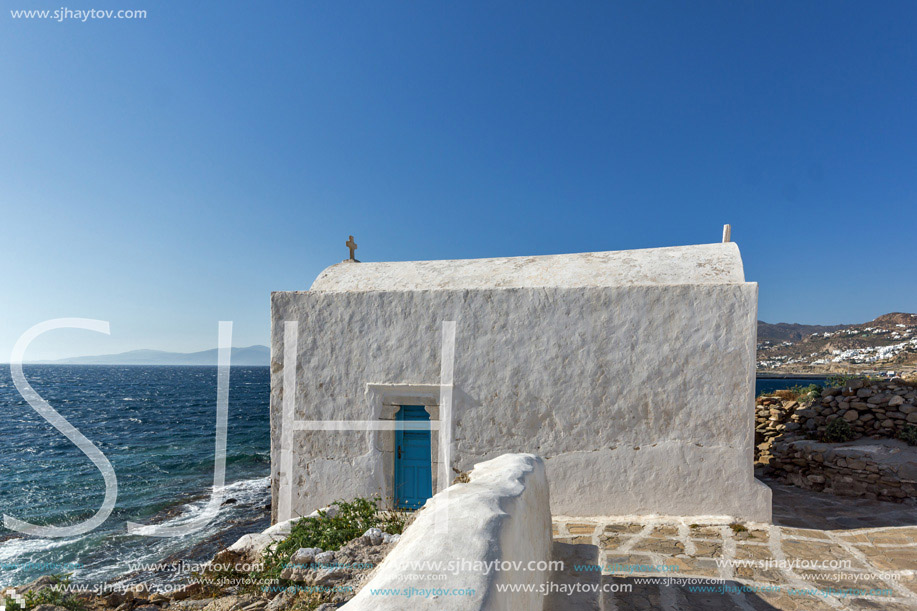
x=738 y=528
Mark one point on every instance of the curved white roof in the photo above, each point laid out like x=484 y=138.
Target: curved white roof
x=700 y=264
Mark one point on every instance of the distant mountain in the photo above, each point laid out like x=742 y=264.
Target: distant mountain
x=243 y=357
x=784 y=331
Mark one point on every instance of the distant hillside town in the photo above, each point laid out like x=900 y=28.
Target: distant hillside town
x=886 y=344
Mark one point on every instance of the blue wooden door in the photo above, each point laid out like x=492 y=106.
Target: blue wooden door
x=413 y=463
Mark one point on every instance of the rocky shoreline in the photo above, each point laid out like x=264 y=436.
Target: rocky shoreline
x=235 y=579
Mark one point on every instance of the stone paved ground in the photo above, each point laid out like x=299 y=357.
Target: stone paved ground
x=823 y=552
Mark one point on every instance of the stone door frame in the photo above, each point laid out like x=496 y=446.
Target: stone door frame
x=385 y=400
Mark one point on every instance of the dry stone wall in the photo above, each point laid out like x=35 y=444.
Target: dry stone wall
x=791 y=444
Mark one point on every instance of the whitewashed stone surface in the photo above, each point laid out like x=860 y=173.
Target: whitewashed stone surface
x=639 y=398
x=698 y=264
x=501 y=514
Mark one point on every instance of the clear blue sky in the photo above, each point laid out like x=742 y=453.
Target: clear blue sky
x=168 y=173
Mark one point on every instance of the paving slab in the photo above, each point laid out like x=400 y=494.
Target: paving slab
x=822 y=552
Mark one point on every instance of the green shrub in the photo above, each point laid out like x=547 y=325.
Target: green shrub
x=330 y=533
x=840 y=380
x=798 y=392
x=55 y=594
x=909 y=434
x=837 y=431
x=807 y=392
x=11 y=605
x=327 y=532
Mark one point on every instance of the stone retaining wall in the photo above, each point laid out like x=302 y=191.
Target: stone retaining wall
x=789 y=437
x=883 y=470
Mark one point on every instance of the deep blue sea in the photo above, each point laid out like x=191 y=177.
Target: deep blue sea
x=156 y=425
x=771 y=384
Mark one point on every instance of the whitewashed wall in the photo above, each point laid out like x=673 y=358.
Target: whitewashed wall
x=500 y=519
x=639 y=398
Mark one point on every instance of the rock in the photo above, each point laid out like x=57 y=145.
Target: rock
x=53 y=608
x=896 y=401
x=281 y=601
x=908 y=471
x=147 y=608
x=296 y=573
x=113 y=599
x=225 y=603
x=189 y=590
x=324 y=577
x=373 y=536
x=245 y=602
x=875 y=399
x=324 y=558
x=250 y=547
x=912 y=417
x=305 y=555
x=158 y=598
x=38 y=584
x=863 y=393
x=387 y=538
x=227 y=558
x=851 y=415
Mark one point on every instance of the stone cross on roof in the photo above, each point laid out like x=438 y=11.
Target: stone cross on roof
x=352 y=246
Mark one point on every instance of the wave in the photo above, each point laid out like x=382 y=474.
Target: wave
x=105 y=555
x=12 y=548
x=244 y=492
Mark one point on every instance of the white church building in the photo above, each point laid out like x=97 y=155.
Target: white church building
x=631 y=373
